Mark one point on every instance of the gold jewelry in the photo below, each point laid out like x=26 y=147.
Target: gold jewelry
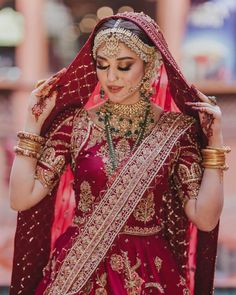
x=212 y=100
x=146 y=83
x=27 y=153
x=29 y=145
x=112 y=37
x=126 y=120
x=39 y=83
x=127 y=110
x=31 y=136
x=225 y=148
x=214 y=157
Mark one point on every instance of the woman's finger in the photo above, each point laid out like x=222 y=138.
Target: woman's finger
x=206 y=109
x=205 y=98
x=198 y=103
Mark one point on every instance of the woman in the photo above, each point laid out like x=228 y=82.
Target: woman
x=140 y=190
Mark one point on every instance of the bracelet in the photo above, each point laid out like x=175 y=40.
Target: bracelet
x=27 y=153
x=224 y=149
x=212 y=100
x=223 y=167
x=29 y=145
x=31 y=136
x=214 y=157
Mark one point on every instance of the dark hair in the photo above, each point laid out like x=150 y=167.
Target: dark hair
x=129 y=26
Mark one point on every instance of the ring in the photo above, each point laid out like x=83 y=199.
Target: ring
x=40 y=82
x=212 y=100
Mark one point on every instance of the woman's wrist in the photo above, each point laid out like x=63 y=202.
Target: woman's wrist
x=32 y=127
x=216 y=140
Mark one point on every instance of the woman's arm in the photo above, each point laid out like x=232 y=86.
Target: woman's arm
x=205 y=210
x=25 y=190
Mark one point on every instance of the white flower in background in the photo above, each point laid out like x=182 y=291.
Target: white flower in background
x=212 y=13
x=11 y=27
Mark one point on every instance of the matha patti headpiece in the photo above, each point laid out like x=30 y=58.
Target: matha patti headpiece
x=112 y=37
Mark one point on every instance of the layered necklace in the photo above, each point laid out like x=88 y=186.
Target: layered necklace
x=126 y=121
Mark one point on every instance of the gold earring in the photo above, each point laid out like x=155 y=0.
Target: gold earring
x=102 y=94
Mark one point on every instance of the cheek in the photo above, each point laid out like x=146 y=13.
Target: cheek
x=135 y=75
x=101 y=77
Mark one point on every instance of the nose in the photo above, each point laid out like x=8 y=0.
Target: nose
x=112 y=75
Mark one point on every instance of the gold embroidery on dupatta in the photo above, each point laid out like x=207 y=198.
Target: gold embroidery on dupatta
x=182 y=282
x=87 y=288
x=86 y=197
x=158 y=263
x=80 y=133
x=101 y=282
x=126 y=191
x=145 y=209
x=156 y=286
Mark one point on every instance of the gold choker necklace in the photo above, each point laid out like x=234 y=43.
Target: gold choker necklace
x=129 y=111
x=127 y=120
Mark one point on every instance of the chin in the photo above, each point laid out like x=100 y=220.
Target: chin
x=117 y=99
x=125 y=99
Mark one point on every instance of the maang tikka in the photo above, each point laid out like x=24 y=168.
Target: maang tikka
x=110 y=39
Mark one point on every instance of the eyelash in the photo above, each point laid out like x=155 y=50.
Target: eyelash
x=119 y=68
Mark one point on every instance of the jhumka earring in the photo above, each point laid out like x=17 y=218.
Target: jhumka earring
x=146 y=89
x=102 y=94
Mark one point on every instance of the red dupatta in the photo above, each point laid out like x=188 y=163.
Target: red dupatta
x=33 y=234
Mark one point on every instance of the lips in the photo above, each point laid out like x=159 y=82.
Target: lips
x=114 y=89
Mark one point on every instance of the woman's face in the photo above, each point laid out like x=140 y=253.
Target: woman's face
x=120 y=76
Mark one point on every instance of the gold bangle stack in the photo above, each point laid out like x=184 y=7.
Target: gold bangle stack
x=214 y=157
x=29 y=145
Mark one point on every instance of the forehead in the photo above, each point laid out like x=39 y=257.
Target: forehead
x=124 y=51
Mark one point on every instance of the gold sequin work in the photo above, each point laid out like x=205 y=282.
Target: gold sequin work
x=145 y=210
x=86 y=197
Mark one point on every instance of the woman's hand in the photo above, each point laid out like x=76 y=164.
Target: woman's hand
x=40 y=104
x=210 y=118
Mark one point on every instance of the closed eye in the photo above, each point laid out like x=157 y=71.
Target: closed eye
x=124 y=69
x=100 y=67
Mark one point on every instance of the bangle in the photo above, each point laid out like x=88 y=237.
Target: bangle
x=29 y=145
x=224 y=149
x=214 y=157
x=31 y=136
x=27 y=153
x=223 y=167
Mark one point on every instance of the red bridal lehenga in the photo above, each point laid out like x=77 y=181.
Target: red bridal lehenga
x=150 y=253
x=127 y=233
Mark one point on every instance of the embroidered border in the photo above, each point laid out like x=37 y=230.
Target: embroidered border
x=117 y=204
x=141 y=231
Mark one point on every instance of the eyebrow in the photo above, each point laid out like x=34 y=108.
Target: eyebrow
x=120 y=58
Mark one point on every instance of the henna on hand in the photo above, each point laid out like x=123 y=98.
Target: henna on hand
x=207 y=122
x=44 y=93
